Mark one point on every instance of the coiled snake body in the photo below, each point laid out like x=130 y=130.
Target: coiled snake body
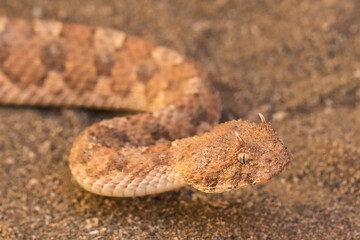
x=172 y=144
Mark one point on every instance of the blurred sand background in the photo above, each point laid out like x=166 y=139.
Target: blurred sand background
x=297 y=62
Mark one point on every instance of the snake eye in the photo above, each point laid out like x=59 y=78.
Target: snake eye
x=243 y=157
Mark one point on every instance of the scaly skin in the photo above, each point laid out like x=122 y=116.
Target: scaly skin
x=49 y=63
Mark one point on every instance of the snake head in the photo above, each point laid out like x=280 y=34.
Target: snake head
x=261 y=154
x=233 y=155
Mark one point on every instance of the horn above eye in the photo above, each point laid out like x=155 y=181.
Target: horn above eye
x=240 y=139
x=263 y=120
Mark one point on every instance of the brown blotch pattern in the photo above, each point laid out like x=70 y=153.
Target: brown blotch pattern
x=77 y=34
x=53 y=56
x=103 y=63
x=132 y=65
x=109 y=137
x=146 y=71
x=4 y=51
x=25 y=71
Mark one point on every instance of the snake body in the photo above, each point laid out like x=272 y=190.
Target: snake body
x=173 y=142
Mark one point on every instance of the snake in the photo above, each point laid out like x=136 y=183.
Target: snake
x=174 y=139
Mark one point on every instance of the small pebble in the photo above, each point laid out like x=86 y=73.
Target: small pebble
x=279 y=116
x=94 y=232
